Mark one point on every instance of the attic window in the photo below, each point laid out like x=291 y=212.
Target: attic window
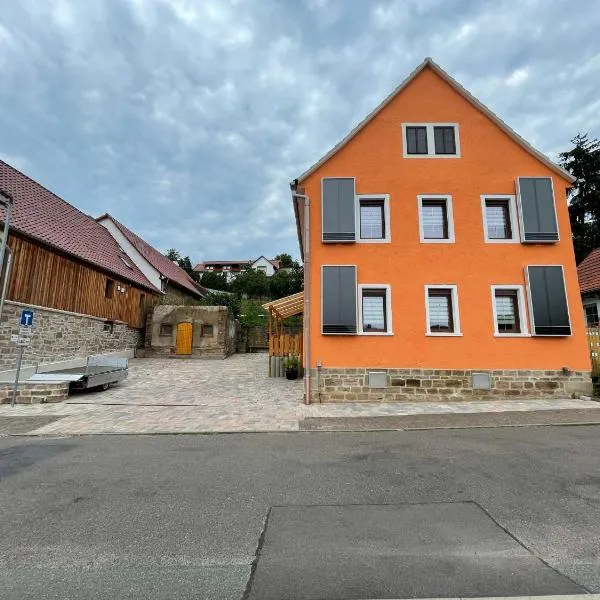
x=128 y=265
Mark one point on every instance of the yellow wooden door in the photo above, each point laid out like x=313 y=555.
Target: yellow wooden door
x=184 y=338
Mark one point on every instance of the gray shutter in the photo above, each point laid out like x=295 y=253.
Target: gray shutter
x=548 y=301
x=338 y=210
x=538 y=215
x=339 y=299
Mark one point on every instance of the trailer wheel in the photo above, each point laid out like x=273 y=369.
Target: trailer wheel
x=105 y=386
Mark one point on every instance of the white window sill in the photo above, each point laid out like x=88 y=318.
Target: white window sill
x=440 y=334
x=502 y=241
x=376 y=333
x=373 y=241
x=431 y=155
x=512 y=335
x=423 y=241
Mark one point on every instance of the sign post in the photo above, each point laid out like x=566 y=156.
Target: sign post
x=22 y=339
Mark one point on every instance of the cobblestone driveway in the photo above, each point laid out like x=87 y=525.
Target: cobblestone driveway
x=212 y=396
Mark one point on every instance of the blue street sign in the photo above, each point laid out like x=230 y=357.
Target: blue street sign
x=26 y=318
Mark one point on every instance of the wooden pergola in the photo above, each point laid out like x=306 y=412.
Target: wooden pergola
x=280 y=343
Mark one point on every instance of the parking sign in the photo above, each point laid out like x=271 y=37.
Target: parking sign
x=26 y=318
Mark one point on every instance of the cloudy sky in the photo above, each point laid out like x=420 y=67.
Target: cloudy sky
x=186 y=119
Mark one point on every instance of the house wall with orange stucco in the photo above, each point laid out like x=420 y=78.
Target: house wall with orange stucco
x=490 y=163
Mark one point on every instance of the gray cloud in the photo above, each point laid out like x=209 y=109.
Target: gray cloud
x=187 y=118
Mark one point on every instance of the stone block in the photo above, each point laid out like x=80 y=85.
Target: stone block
x=398 y=382
x=413 y=383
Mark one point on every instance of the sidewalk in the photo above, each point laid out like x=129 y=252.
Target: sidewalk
x=84 y=419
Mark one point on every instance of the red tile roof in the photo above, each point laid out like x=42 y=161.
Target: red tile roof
x=42 y=215
x=588 y=272
x=159 y=261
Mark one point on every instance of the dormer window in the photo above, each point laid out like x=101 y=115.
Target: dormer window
x=430 y=140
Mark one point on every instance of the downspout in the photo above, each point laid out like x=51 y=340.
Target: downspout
x=8 y=254
x=306 y=257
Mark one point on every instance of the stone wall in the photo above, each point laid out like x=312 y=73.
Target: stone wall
x=34 y=393
x=176 y=296
x=214 y=331
x=423 y=385
x=58 y=335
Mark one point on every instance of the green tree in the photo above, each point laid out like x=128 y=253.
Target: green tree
x=186 y=264
x=583 y=162
x=231 y=301
x=286 y=283
x=252 y=313
x=214 y=281
x=285 y=261
x=251 y=283
x=173 y=255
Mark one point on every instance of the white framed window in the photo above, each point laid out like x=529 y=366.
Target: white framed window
x=373 y=218
x=436 y=221
x=374 y=309
x=500 y=222
x=430 y=140
x=441 y=310
x=508 y=308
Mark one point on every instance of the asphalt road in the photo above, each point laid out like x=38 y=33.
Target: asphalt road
x=333 y=515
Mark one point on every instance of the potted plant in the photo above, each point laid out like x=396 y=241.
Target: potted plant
x=291 y=364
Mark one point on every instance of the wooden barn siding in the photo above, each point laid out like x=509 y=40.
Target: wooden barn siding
x=43 y=277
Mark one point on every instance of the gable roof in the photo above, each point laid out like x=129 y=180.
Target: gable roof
x=429 y=63
x=167 y=268
x=43 y=216
x=274 y=263
x=588 y=272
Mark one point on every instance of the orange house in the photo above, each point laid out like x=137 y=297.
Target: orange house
x=438 y=257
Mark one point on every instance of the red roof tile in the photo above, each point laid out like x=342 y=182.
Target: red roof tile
x=42 y=215
x=159 y=261
x=588 y=272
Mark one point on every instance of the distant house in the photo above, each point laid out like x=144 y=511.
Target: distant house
x=589 y=282
x=232 y=267
x=90 y=296
x=177 y=286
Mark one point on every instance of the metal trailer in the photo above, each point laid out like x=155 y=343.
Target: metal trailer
x=99 y=372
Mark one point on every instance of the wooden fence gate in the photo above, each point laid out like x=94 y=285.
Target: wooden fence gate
x=593 y=334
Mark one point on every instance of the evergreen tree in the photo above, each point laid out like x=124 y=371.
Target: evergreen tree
x=583 y=162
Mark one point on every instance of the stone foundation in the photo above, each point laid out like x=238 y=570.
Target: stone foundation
x=433 y=385
x=59 y=335
x=34 y=393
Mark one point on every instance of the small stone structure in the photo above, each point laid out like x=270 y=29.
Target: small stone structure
x=34 y=393
x=59 y=335
x=423 y=385
x=214 y=331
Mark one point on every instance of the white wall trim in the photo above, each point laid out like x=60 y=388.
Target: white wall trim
x=430 y=140
x=388 y=307
x=522 y=313
x=153 y=275
x=455 y=312
x=449 y=215
x=515 y=226
x=386 y=215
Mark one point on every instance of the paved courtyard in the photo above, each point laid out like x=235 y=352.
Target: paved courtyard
x=215 y=396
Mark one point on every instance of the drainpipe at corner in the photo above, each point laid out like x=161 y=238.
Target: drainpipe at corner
x=306 y=319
